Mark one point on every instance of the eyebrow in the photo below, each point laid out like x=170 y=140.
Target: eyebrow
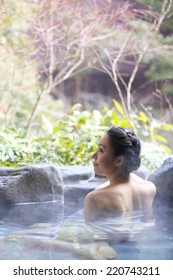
x=102 y=146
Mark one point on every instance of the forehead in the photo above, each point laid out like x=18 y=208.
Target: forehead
x=104 y=141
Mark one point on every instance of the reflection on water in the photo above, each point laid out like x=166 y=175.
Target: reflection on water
x=33 y=231
x=26 y=214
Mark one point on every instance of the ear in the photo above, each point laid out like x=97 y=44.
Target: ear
x=119 y=161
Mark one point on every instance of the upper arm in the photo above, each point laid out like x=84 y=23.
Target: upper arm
x=149 y=195
x=100 y=203
x=90 y=207
x=148 y=201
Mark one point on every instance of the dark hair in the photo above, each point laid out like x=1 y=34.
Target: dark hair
x=125 y=142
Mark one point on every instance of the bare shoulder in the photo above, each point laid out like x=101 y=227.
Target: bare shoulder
x=95 y=196
x=136 y=178
x=91 y=205
x=147 y=186
x=91 y=196
x=99 y=202
x=146 y=190
x=151 y=187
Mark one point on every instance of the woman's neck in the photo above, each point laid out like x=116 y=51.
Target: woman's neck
x=120 y=178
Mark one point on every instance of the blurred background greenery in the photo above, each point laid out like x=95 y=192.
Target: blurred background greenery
x=70 y=69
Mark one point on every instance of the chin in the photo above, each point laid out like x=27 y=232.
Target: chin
x=99 y=173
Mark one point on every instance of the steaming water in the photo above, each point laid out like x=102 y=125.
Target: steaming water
x=34 y=223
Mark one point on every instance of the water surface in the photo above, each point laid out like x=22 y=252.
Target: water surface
x=56 y=221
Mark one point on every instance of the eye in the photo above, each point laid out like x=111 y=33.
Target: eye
x=101 y=150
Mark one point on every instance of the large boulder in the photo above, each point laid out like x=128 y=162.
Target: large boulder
x=31 y=194
x=163 y=180
x=75 y=173
x=32 y=183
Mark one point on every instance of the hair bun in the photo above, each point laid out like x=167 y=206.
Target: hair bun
x=130 y=137
x=125 y=142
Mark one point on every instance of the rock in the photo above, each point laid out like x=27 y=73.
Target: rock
x=5 y=203
x=31 y=183
x=163 y=180
x=75 y=173
x=28 y=188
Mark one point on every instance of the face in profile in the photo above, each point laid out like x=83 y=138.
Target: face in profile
x=103 y=159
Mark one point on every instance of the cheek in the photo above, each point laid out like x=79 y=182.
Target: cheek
x=108 y=163
x=111 y=164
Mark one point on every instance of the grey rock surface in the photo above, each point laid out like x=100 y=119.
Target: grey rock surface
x=31 y=183
x=76 y=173
x=163 y=180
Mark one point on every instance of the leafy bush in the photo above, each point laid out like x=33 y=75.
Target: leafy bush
x=75 y=136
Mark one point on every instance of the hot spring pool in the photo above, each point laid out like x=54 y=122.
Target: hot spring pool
x=152 y=242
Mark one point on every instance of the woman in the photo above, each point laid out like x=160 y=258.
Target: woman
x=118 y=154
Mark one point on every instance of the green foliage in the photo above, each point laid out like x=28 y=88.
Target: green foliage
x=161 y=68
x=157 y=4
x=74 y=137
x=154 y=154
x=71 y=137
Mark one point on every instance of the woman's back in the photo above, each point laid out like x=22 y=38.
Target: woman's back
x=136 y=194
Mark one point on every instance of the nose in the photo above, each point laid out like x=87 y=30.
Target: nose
x=94 y=155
